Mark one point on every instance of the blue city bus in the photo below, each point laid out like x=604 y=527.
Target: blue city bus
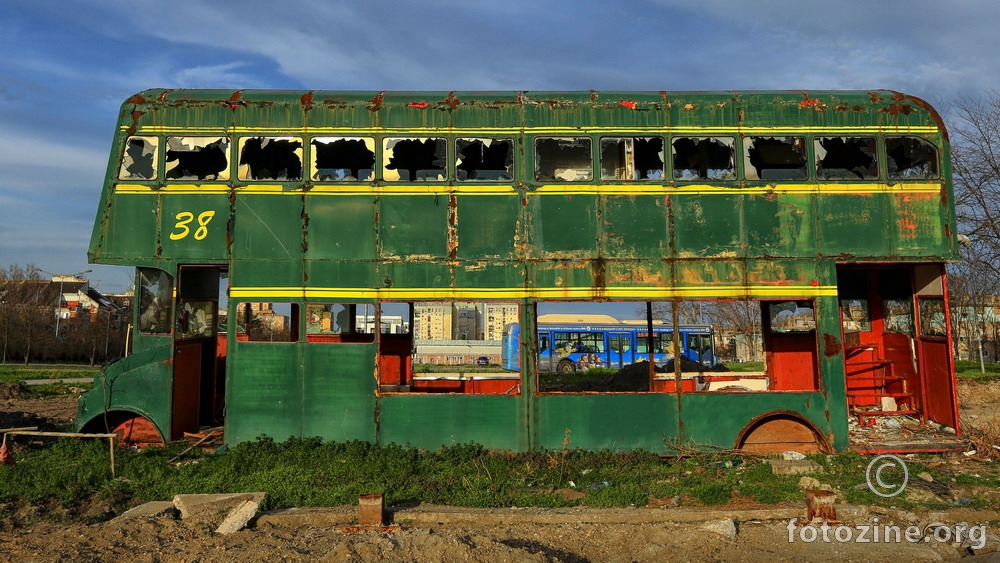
x=570 y=347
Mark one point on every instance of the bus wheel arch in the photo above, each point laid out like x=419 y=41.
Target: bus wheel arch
x=781 y=431
x=133 y=429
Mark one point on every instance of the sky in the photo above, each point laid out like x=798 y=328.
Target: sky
x=66 y=66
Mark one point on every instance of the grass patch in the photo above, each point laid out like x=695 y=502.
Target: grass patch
x=744 y=366
x=70 y=477
x=971 y=370
x=12 y=374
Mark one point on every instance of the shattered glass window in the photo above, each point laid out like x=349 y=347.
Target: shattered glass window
x=775 y=158
x=414 y=160
x=484 y=159
x=565 y=159
x=854 y=315
x=139 y=159
x=197 y=158
x=270 y=158
x=631 y=158
x=911 y=157
x=343 y=159
x=155 y=297
x=846 y=158
x=703 y=158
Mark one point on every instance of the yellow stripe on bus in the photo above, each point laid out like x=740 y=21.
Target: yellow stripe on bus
x=645 y=293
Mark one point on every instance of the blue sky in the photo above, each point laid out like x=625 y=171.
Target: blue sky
x=66 y=66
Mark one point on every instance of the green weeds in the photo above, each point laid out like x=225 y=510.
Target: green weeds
x=74 y=476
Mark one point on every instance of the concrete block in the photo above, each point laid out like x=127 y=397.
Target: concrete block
x=793 y=466
x=153 y=509
x=213 y=510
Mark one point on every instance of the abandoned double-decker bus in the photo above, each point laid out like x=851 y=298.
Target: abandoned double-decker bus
x=290 y=247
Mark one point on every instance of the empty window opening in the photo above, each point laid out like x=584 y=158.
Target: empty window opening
x=197 y=158
x=343 y=159
x=415 y=160
x=447 y=347
x=775 y=158
x=792 y=316
x=340 y=323
x=270 y=158
x=704 y=158
x=846 y=158
x=564 y=159
x=484 y=159
x=139 y=159
x=267 y=322
x=632 y=158
x=911 y=157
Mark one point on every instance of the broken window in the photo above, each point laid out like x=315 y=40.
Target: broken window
x=911 y=157
x=414 y=160
x=339 y=322
x=932 y=321
x=197 y=158
x=854 y=315
x=155 y=295
x=270 y=158
x=267 y=322
x=792 y=316
x=846 y=158
x=775 y=158
x=631 y=158
x=343 y=159
x=139 y=159
x=484 y=159
x=898 y=315
x=566 y=159
x=704 y=158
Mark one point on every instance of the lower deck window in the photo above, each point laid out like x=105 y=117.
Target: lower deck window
x=718 y=346
x=447 y=347
x=267 y=322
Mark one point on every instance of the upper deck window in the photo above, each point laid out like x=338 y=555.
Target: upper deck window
x=631 y=158
x=342 y=159
x=775 y=158
x=484 y=159
x=139 y=159
x=704 y=158
x=270 y=158
x=911 y=157
x=564 y=159
x=414 y=160
x=846 y=158
x=197 y=158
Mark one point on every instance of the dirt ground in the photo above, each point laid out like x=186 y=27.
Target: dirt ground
x=423 y=533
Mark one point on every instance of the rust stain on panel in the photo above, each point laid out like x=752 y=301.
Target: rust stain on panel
x=831 y=347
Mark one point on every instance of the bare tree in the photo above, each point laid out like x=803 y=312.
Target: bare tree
x=975 y=147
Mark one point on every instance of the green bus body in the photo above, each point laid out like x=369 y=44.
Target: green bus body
x=526 y=236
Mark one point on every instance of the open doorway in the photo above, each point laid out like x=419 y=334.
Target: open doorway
x=896 y=352
x=199 y=349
